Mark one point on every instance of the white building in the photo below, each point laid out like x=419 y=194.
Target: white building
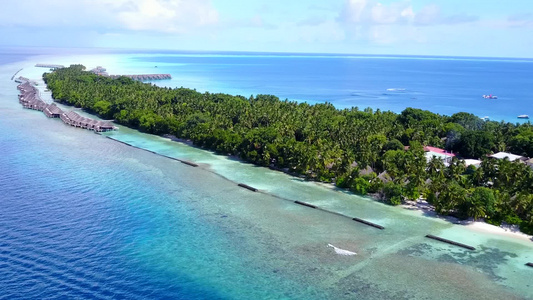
x=510 y=156
x=472 y=162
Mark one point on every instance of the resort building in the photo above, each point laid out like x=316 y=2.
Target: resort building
x=73 y=119
x=29 y=98
x=509 y=156
x=472 y=162
x=52 y=111
x=99 y=70
x=444 y=155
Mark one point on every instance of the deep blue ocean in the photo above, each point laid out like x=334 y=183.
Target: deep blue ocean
x=85 y=217
x=443 y=85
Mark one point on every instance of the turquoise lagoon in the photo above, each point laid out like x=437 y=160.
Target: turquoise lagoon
x=85 y=216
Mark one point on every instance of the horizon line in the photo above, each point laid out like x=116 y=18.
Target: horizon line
x=273 y=53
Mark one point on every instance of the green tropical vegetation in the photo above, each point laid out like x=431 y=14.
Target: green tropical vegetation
x=360 y=150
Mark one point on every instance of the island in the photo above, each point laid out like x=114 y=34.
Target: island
x=462 y=165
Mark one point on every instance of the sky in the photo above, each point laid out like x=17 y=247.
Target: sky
x=486 y=28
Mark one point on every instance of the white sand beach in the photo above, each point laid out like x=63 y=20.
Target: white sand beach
x=479 y=225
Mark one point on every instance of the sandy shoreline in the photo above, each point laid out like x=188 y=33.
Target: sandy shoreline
x=503 y=230
x=512 y=231
x=422 y=206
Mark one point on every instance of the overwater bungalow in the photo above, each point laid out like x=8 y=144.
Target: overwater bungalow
x=73 y=119
x=52 y=111
x=21 y=79
x=30 y=98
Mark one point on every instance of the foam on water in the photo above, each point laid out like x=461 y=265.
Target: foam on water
x=84 y=216
x=341 y=251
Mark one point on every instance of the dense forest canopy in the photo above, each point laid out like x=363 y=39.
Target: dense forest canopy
x=361 y=150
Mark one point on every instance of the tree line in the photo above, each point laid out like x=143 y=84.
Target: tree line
x=360 y=150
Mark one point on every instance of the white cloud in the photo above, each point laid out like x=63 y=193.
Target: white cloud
x=324 y=32
x=256 y=21
x=394 y=22
x=432 y=15
x=400 y=12
x=372 y=12
x=103 y=15
x=312 y=21
x=427 y=15
x=520 y=20
x=369 y=12
x=168 y=15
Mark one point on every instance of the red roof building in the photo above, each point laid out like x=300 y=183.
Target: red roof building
x=438 y=151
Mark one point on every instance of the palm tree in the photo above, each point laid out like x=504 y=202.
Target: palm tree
x=435 y=168
x=456 y=168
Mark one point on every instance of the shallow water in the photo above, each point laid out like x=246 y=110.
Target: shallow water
x=84 y=216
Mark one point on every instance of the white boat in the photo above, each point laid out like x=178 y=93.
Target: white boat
x=490 y=97
x=523 y=117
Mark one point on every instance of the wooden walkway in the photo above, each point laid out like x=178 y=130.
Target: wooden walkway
x=99 y=70
x=51 y=66
x=29 y=98
x=145 y=77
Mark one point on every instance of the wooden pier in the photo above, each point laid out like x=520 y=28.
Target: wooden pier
x=50 y=66
x=29 y=98
x=99 y=70
x=145 y=77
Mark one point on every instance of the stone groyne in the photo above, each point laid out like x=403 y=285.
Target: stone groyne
x=13 y=77
x=450 y=242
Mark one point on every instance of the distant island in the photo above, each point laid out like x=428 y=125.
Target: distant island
x=448 y=160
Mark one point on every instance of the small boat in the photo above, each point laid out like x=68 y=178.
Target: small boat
x=490 y=97
x=523 y=117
